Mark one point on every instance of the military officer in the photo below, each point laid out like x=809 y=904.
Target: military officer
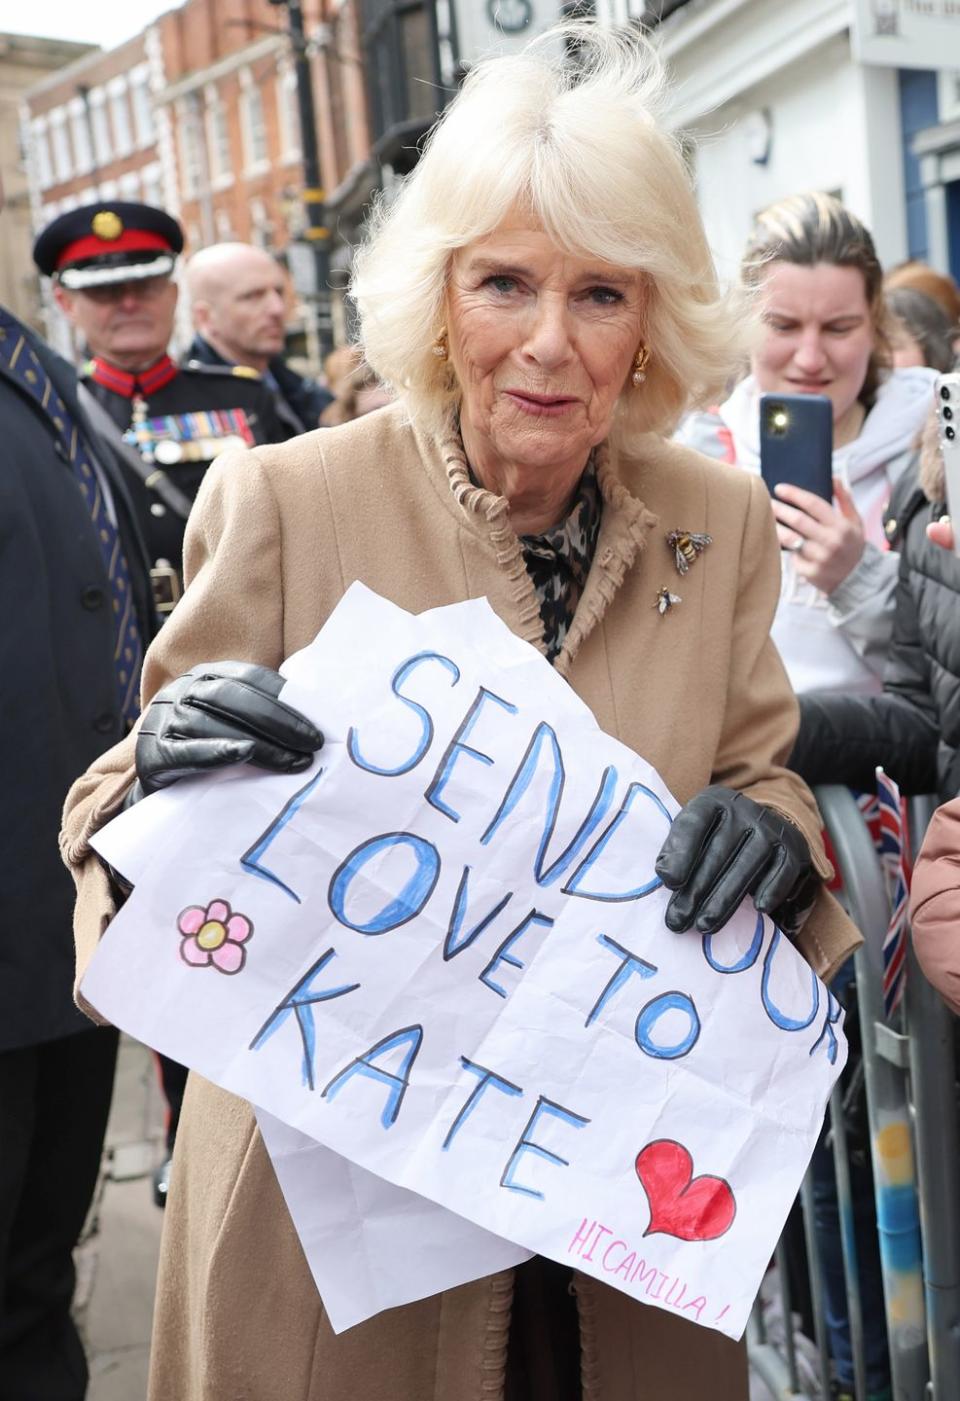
x=111 y=265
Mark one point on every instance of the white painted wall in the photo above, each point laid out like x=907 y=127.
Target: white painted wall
x=812 y=108
x=835 y=124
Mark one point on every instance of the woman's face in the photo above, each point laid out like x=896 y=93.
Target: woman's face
x=541 y=343
x=817 y=333
x=907 y=350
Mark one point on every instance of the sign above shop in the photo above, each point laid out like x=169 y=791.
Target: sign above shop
x=906 y=33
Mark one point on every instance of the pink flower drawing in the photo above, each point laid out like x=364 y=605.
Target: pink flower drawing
x=213 y=934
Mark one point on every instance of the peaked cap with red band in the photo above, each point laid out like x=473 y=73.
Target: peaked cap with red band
x=108 y=242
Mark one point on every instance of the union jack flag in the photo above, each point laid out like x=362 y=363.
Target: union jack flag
x=891 y=842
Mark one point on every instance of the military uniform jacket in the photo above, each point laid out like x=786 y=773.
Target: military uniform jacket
x=186 y=423
x=58 y=703
x=300 y=400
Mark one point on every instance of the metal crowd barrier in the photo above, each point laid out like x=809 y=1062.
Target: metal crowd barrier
x=912 y=1111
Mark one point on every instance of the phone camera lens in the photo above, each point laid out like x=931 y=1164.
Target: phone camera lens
x=947 y=412
x=944 y=391
x=949 y=433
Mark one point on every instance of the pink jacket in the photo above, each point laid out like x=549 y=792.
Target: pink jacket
x=935 y=903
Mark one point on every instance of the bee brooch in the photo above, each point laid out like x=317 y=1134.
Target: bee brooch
x=686 y=546
x=665 y=601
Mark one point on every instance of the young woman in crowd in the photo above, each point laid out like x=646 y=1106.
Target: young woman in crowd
x=819 y=287
x=825 y=330
x=920 y=331
x=940 y=287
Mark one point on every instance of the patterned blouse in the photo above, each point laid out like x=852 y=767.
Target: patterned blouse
x=558 y=561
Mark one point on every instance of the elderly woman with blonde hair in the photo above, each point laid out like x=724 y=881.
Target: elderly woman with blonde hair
x=541 y=299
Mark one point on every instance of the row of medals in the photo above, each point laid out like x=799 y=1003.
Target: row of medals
x=162 y=439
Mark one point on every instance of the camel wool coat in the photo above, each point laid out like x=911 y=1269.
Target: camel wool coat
x=277 y=535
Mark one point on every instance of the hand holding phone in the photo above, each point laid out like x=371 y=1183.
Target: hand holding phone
x=796 y=442
x=948 y=425
x=826 y=541
x=796 y=462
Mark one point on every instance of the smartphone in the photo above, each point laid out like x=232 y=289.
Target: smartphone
x=796 y=442
x=948 y=423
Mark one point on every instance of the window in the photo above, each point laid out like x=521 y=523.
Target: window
x=40 y=148
x=256 y=154
x=191 y=167
x=400 y=45
x=142 y=106
x=120 y=116
x=218 y=138
x=224 y=226
x=152 y=177
x=414 y=33
x=102 y=148
x=288 y=112
x=261 y=231
x=62 y=164
x=80 y=134
x=948 y=90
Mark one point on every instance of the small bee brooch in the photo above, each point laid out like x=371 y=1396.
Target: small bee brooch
x=686 y=546
x=665 y=601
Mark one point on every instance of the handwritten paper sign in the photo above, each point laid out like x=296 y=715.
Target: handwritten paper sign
x=441 y=953
x=371 y=1246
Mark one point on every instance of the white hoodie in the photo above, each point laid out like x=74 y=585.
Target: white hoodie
x=836 y=641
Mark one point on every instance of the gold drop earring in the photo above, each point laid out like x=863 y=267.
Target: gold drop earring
x=640 y=362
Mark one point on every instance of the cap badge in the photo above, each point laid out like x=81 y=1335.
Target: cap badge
x=107 y=225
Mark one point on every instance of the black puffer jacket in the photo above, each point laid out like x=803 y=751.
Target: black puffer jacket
x=913 y=728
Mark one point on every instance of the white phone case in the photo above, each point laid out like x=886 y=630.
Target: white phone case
x=948 y=423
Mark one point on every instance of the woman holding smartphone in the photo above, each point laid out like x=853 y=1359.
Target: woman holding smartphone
x=824 y=331
x=820 y=288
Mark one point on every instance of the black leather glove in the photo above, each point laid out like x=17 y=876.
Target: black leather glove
x=220 y=713
x=723 y=846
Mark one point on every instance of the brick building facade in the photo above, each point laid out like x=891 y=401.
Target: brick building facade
x=199 y=114
x=24 y=61
x=89 y=133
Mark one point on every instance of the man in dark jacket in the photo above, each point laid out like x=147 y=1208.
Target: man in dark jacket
x=77 y=616
x=912 y=728
x=111 y=265
x=238 y=299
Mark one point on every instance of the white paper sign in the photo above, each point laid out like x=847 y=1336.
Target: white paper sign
x=400 y=1246
x=372 y=1246
x=441 y=953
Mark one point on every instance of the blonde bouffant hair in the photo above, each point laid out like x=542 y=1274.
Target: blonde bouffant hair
x=570 y=130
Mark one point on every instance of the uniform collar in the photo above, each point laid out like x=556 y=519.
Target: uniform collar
x=121 y=382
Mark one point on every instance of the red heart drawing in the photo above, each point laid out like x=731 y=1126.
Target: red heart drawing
x=681 y=1205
